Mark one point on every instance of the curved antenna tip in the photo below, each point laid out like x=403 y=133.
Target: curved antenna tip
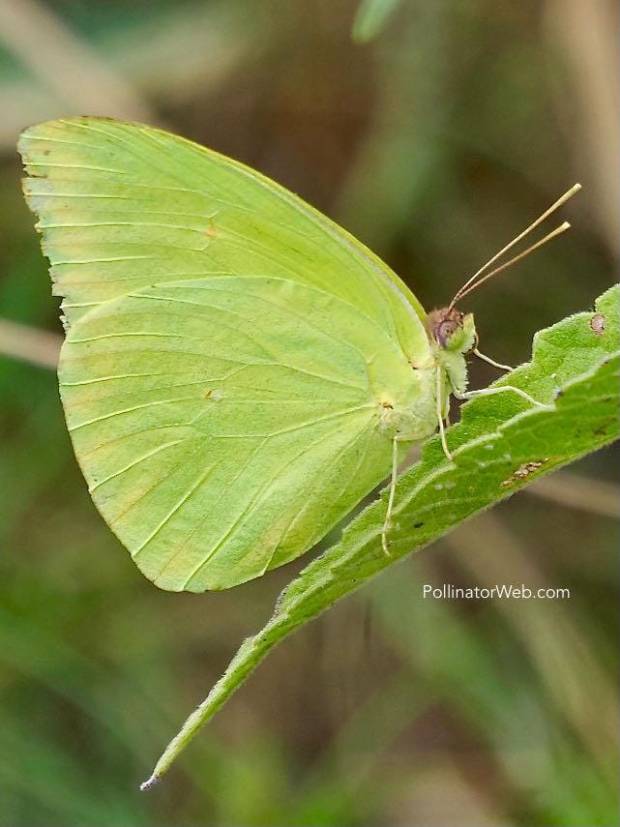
x=477 y=279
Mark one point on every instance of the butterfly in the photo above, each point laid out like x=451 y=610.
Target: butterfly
x=238 y=371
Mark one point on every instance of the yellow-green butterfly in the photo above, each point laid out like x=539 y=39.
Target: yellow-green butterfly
x=238 y=371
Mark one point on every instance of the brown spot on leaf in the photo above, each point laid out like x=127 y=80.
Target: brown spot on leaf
x=523 y=472
x=603 y=429
x=597 y=323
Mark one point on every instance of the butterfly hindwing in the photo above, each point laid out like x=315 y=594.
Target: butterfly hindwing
x=224 y=425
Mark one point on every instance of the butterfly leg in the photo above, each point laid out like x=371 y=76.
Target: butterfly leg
x=390 y=505
x=490 y=361
x=490 y=391
x=440 y=418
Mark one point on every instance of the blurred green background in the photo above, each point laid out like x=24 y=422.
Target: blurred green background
x=434 y=132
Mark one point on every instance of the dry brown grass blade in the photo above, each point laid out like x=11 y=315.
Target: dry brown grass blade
x=65 y=64
x=38 y=347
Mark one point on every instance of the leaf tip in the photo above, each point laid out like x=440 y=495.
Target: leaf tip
x=150 y=782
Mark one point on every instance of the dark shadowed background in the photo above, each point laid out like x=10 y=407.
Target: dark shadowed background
x=434 y=135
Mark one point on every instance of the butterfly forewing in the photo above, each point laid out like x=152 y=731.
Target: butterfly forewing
x=125 y=205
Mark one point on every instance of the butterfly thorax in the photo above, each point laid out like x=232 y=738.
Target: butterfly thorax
x=409 y=411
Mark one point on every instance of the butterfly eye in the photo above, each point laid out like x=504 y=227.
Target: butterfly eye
x=445 y=331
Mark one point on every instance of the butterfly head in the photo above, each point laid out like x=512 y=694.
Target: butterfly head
x=451 y=330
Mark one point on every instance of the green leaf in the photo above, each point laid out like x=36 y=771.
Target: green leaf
x=500 y=445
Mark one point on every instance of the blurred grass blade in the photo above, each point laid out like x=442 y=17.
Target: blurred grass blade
x=371 y=18
x=500 y=445
x=20 y=341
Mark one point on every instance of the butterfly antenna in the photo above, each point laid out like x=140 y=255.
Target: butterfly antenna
x=558 y=230
x=472 y=283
